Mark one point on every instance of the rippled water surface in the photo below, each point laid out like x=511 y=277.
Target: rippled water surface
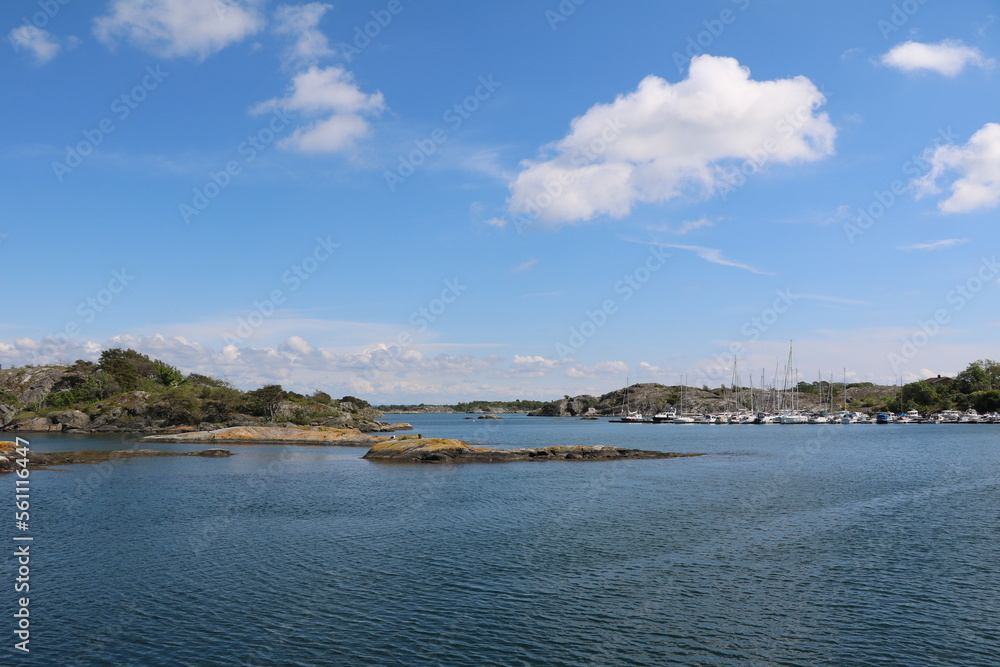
x=806 y=545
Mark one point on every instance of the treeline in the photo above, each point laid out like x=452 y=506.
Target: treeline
x=176 y=398
x=471 y=406
x=977 y=387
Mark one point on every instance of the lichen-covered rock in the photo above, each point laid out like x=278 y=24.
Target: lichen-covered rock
x=307 y=435
x=442 y=450
x=7 y=413
x=71 y=419
x=34 y=384
x=37 y=424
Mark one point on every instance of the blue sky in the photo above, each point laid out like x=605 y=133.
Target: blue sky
x=419 y=202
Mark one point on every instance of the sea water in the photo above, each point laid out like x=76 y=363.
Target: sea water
x=785 y=545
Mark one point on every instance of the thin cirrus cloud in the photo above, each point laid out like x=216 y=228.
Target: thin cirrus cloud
x=525 y=266
x=333 y=98
x=977 y=165
x=179 y=28
x=42 y=46
x=665 y=140
x=948 y=58
x=933 y=245
x=712 y=255
x=691 y=225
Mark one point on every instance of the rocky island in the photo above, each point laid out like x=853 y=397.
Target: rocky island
x=293 y=435
x=441 y=450
x=128 y=392
x=9 y=456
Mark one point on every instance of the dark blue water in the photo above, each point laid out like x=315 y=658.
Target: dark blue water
x=805 y=545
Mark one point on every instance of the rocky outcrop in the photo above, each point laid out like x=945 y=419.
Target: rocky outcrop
x=650 y=398
x=567 y=407
x=10 y=457
x=37 y=424
x=7 y=413
x=439 y=450
x=384 y=427
x=33 y=384
x=71 y=419
x=299 y=435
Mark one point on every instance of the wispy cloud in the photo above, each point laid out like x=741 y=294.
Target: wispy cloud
x=933 y=245
x=830 y=299
x=713 y=255
x=40 y=43
x=179 y=28
x=524 y=266
x=300 y=22
x=691 y=225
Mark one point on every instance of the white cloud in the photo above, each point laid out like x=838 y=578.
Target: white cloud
x=665 y=140
x=948 y=57
x=978 y=166
x=524 y=266
x=533 y=366
x=333 y=93
x=713 y=255
x=40 y=43
x=692 y=225
x=179 y=28
x=933 y=245
x=300 y=22
x=615 y=368
x=499 y=223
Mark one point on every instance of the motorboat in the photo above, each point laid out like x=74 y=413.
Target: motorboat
x=664 y=416
x=793 y=418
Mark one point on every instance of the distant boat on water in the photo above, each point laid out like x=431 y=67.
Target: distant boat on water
x=629 y=416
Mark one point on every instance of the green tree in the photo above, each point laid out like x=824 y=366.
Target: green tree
x=266 y=401
x=358 y=402
x=980 y=375
x=167 y=375
x=128 y=368
x=986 y=401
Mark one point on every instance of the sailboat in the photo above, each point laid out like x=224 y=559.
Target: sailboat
x=679 y=418
x=629 y=416
x=793 y=415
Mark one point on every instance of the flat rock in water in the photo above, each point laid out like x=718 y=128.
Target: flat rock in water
x=305 y=435
x=441 y=450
